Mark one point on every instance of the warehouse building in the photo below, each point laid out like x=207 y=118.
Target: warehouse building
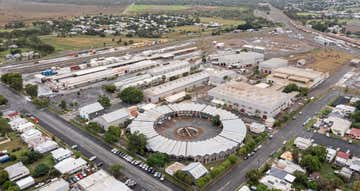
x=237 y=60
x=302 y=77
x=56 y=185
x=219 y=76
x=17 y=171
x=91 y=111
x=155 y=94
x=169 y=67
x=252 y=100
x=101 y=180
x=268 y=66
x=114 y=118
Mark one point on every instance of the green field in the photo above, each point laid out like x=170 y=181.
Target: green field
x=221 y=21
x=85 y=42
x=307 y=14
x=154 y=8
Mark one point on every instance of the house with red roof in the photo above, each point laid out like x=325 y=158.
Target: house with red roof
x=354 y=133
x=342 y=158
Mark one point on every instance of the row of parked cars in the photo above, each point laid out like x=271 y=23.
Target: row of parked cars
x=139 y=164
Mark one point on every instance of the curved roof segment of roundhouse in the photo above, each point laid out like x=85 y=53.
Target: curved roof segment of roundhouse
x=232 y=135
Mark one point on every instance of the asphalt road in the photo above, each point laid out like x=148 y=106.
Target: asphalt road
x=87 y=144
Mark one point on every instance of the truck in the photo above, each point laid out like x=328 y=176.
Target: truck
x=4 y=158
x=48 y=72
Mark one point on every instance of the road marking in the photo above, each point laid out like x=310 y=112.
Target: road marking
x=222 y=188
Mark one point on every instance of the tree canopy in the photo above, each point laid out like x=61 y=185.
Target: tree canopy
x=14 y=80
x=157 y=159
x=131 y=95
x=41 y=170
x=3 y=100
x=137 y=142
x=104 y=101
x=31 y=90
x=112 y=135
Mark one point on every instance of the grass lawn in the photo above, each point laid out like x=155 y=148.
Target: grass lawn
x=307 y=14
x=154 y=8
x=15 y=144
x=221 y=21
x=328 y=173
x=85 y=42
x=310 y=123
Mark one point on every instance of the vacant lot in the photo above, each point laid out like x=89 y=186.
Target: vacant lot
x=11 y=10
x=325 y=60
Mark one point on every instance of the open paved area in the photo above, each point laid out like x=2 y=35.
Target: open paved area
x=188 y=129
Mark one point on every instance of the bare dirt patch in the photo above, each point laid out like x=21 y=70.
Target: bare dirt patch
x=324 y=59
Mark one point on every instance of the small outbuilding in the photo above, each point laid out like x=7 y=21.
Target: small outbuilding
x=25 y=182
x=195 y=169
x=114 y=118
x=91 y=111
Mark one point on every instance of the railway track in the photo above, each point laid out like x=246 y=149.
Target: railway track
x=34 y=67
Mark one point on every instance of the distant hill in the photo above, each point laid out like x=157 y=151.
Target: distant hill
x=87 y=2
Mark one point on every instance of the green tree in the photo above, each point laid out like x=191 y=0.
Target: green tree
x=357 y=105
x=112 y=135
x=181 y=175
x=31 y=90
x=30 y=157
x=290 y=88
x=317 y=151
x=301 y=180
x=93 y=126
x=7 y=184
x=157 y=159
x=14 y=80
x=216 y=120
x=253 y=176
x=111 y=88
x=104 y=101
x=13 y=188
x=4 y=126
x=131 y=95
x=41 y=102
x=3 y=100
x=62 y=105
x=4 y=176
x=137 y=142
x=41 y=170
x=311 y=163
x=115 y=170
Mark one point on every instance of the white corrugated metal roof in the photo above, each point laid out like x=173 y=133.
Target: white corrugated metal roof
x=232 y=134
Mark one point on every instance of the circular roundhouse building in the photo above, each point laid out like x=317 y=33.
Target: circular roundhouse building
x=191 y=131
